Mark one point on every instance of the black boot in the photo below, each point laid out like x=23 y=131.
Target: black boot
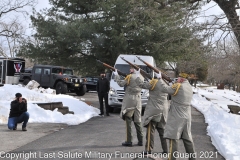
x=15 y=128
x=129 y=144
x=140 y=143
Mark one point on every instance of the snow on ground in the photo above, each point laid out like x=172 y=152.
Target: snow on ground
x=223 y=127
x=82 y=111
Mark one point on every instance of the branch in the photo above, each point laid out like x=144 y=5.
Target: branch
x=14 y=5
x=6 y=34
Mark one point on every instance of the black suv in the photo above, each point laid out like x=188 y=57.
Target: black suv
x=91 y=83
x=56 y=77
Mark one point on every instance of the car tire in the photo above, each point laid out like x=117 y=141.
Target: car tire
x=81 y=91
x=26 y=81
x=61 y=88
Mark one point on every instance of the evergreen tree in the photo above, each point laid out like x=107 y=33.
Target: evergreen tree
x=74 y=33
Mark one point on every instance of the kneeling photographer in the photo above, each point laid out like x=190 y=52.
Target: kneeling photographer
x=18 y=113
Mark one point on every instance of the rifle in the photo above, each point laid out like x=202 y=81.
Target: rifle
x=112 y=68
x=164 y=76
x=145 y=74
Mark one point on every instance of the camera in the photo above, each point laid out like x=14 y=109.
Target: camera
x=24 y=100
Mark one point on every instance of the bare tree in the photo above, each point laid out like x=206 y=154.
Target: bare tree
x=10 y=6
x=228 y=23
x=225 y=59
x=11 y=31
x=229 y=28
x=224 y=64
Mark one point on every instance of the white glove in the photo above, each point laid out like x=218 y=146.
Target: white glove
x=158 y=75
x=137 y=72
x=115 y=72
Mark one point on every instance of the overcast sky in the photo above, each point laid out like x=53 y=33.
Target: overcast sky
x=42 y=4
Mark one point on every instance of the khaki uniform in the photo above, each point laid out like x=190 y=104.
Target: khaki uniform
x=179 y=117
x=131 y=105
x=155 y=115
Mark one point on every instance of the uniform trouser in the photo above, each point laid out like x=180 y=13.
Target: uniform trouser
x=150 y=137
x=173 y=149
x=100 y=97
x=138 y=127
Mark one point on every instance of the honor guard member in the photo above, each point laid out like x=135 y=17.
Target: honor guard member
x=155 y=115
x=178 y=124
x=131 y=106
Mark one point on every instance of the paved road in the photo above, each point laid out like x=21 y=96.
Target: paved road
x=102 y=137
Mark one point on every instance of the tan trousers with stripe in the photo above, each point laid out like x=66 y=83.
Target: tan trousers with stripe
x=138 y=127
x=173 y=149
x=150 y=137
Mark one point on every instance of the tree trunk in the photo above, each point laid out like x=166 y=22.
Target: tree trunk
x=238 y=88
x=228 y=7
x=195 y=83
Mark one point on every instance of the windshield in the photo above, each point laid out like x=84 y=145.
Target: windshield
x=125 y=68
x=62 y=71
x=91 y=79
x=67 y=71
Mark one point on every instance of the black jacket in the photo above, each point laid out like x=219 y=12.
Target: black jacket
x=17 y=108
x=103 y=85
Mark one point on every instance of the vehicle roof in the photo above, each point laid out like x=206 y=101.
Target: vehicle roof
x=50 y=66
x=133 y=59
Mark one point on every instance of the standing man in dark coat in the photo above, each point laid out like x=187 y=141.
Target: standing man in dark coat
x=103 y=87
x=18 y=113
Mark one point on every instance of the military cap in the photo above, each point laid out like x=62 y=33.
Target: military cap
x=183 y=75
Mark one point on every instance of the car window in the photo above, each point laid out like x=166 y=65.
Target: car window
x=57 y=70
x=89 y=79
x=38 y=70
x=46 y=71
x=125 y=68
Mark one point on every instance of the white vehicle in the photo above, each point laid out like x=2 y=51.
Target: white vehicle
x=116 y=93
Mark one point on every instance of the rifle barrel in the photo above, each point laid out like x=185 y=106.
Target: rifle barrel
x=112 y=68
x=164 y=76
x=145 y=74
